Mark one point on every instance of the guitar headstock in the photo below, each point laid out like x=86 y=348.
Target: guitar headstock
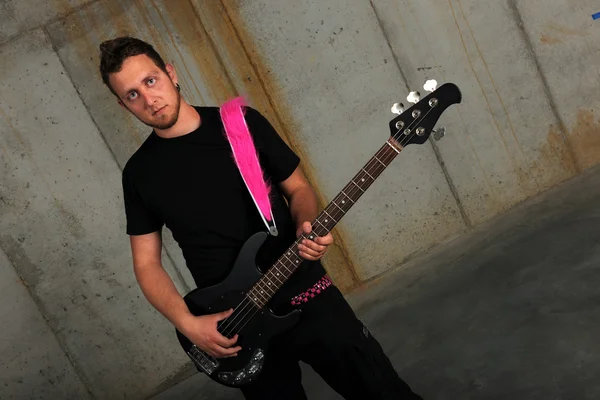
x=416 y=124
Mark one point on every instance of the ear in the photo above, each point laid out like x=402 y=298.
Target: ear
x=172 y=73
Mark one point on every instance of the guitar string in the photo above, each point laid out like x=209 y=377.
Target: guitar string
x=246 y=302
x=244 y=318
x=393 y=154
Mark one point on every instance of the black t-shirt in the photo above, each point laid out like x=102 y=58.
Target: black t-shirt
x=191 y=185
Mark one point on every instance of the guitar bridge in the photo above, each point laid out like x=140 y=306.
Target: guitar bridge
x=202 y=360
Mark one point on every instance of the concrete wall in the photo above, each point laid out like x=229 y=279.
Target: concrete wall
x=325 y=73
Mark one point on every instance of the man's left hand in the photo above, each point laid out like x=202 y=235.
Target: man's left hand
x=313 y=249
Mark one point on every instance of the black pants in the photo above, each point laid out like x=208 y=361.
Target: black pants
x=338 y=347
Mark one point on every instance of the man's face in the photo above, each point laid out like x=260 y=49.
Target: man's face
x=147 y=91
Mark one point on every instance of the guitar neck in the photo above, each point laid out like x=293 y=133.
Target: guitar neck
x=290 y=260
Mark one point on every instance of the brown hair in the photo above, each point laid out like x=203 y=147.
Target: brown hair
x=115 y=51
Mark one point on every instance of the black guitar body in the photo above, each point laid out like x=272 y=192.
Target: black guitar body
x=256 y=332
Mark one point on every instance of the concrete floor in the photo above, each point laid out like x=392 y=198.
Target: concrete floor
x=509 y=311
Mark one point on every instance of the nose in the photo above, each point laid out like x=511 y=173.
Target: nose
x=148 y=99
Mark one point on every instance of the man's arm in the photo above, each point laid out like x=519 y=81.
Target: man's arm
x=304 y=208
x=159 y=289
x=156 y=284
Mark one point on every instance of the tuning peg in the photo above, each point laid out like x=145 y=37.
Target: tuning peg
x=439 y=133
x=413 y=97
x=430 y=85
x=398 y=108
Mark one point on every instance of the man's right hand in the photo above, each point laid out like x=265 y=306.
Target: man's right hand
x=202 y=331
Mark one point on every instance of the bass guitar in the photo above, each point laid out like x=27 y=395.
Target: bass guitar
x=248 y=291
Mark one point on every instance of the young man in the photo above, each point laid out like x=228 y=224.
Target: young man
x=184 y=177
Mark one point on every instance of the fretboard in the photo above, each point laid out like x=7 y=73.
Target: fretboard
x=288 y=263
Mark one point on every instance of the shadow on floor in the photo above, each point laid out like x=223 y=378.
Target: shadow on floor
x=509 y=311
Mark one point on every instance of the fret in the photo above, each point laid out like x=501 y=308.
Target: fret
x=264 y=288
x=335 y=204
x=255 y=295
x=275 y=277
x=289 y=259
x=333 y=219
x=284 y=266
x=319 y=222
x=361 y=189
x=377 y=168
x=261 y=298
x=290 y=254
x=389 y=157
x=365 y=182
x=281 y=276
x=349 y=198
x=368 y=174
x=381 y=162
x=278 y=274
x=257 y=291
x=258 y=295
x=271 y=285
x=392 y=146
x=254 y=300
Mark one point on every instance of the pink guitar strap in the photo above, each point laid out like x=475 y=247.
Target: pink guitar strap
x=246 y=159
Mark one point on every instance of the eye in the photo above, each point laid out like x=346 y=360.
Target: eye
x=132 y=96
x=151 y=81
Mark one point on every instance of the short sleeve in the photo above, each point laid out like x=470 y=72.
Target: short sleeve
x=275 y=155
x=140 y=220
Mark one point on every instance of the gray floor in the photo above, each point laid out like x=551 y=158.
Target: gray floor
x=510 y=311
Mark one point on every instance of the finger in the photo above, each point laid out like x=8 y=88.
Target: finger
x=224 y=314
x=324 y=240
x=309 y=258
x=320 y=240
x=312 y=256
x=308 y=250
x=223 y=352
x=224 y=341
x=211 y=353
x=307 y=227
x=311 y=246
x=228 y=351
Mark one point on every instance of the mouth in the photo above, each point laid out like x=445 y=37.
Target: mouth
x=160 y=110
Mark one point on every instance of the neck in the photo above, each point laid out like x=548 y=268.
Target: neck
x=188 y=121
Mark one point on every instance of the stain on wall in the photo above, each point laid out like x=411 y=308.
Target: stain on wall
x=528 y=121
x=254 y=81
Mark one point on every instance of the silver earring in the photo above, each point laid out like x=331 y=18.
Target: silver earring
x=178 y=87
